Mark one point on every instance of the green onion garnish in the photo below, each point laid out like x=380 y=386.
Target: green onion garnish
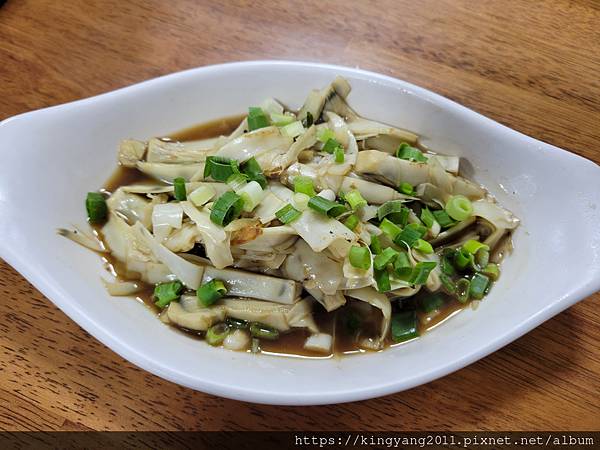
x=293 y=129
x=409 y=153
x=262 y=331
x=479 y=284
x=237 y=323
x=421 y=272
x=406 y=188
x=387 y=256
x=202 y=194
x=96 y=208
x=395 y=211
x=251 y=194
x=459 y=207
x=448 y=284
x=257 y=118
x=338 y=154
x=216 y=334
x=462 y=288
x=304 y=185
x=446 y=262
x=220 y=169
x=309 y=120
x=326 y=207
x=300 y=201
x=427 y=217
x=432 y=302
x=210 y=292
x=443 y=218
x=325 y=134
x=354 y=199
x=237 y=181
x=402 y=266
x=287 y=214
x=411 y=233
x=375 y=244
x=359 y=257
x=390 y=228
x=463 y=259
x=382 y=278
x=280 y=120
x=404 y=326
x=352 y=221
x=179 y=189
x=492 y=271
x=254 y=172
x=472 y=246
x=165 y=293
x=423 y=246
x=227 y=208
x=331 y=145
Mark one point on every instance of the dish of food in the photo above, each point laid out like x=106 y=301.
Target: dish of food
x=312 y=232
x=69 y=150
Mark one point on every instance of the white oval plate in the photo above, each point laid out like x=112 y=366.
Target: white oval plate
x=52 y=157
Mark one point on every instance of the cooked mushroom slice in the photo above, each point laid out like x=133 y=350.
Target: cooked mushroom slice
x=199 y=320
x=84 y=239
x=379 y=136
x=255 y=143
x=315 y=102
x=452 y=232
x=174 y=152
x=271 y=238
x=168 y=172
x=134 y=208
x=329 y=302
x=131 y=151
x=389 y=169
x=219 y=188
x=373 y=192
x=281 y=317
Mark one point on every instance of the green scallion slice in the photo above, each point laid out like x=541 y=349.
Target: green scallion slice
x=165 y=293
x=304 y=185
x=257 y=118
x=338 y=154
x=287 y=214
x=395 y=211
x=359 y=257
x=220 y=169
x=227 y=208
x=462 y=290
x=95 y=205
x=309 y=120
x=443 y=218
x=447 y=262
x=210 y=292
x=479 y=284
x=179 y=189
x=423 y=246
x=421 y=272
x=387 y=256
x=448 y=284
x=459 y=207
x=402 y=266
x=331 y=145
x=492 y=271
x=262 y=331
x=216 y=334
x=325 y=134
x=409 y=153
x=254 y=172
x=406 y=188
x=375 y=244
x=238 y=324
x=404 y=326
x=463 y=259
x=427 y=217
x=390 y=228
x=355 y=199
x=432 y=302
x=352 y=221
x=326 y=207
x=280 y=120
x=382 y=279
x=410 y=234
x=472 y=246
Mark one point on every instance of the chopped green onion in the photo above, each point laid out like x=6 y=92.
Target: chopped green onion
x=409 y=153
x=402 y=266
x=251 y=194
x=216 y=334
x=404 y=326
x=462 y=290
x=375 y=244
x=354 y=199
x=309 y=120
x=262 y=331
x=352 y=221
x=227 y=208
x=472 y=246
x=446 y=262
x=395 y=211
x=459 y=207
x=463 y=259
x=427 y=217
x=300 y=201
x=443 y=218
x=325 y=134
x=481 y=259
x=410 y=234
x=254 y=172
x=257 y=118
x=432 y=302
x=338 y=153
x=492 y=271
x=406 y=188
x=423 y=246
x=390 y=228
x=287 y=214
x=202 y=195
x=382 y=278
x=359 y=257
x=237 y=323
x=293 y=129
x=165 y=293
x=331 y=145
x=179 y=189
x=280 y=120
x=326 y=207
x=304 y=185
x=479 y=284
x=220 y=169
x=388 y=256
x=210 y=292
x=421 y=272
x=237 y=181
x=448 y=284
x=255 y=346
x=96 y=208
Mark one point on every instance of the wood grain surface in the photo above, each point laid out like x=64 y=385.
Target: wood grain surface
x=531 y=65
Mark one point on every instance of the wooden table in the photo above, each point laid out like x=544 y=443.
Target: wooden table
x=530 y=65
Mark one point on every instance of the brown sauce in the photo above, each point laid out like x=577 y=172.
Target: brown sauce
x=290 y=343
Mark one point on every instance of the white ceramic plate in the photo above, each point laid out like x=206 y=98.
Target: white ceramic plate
x=52 y=157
